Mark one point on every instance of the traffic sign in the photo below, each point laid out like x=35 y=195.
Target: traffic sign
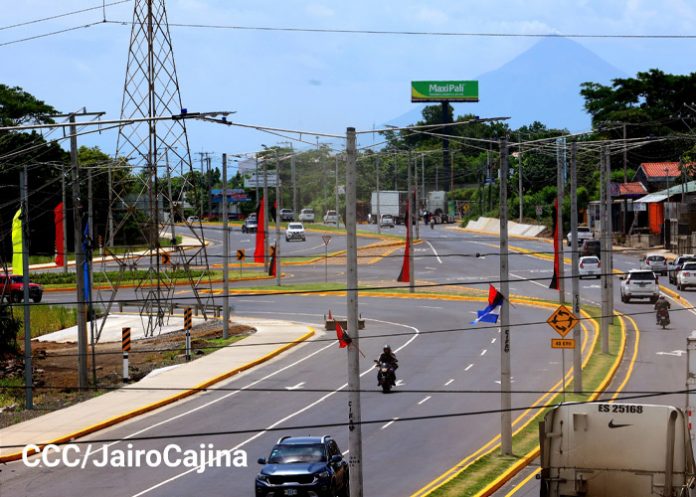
x=562 y=343
x=240 y=254
x=562 y=320
x=165 y=258
x=326 y=238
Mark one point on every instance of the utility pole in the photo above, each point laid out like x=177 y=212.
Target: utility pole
x=209 y=182
x=79 y=262
x=295 y=211
x=90 y=275
x=109 y=213
x=409 y=225
x=560 y=185
x=256 y=173
x=265 y=217
x=277 y=220
x=624 y=218
x=225 y=255
x=604 y=318
x=423 y=179
x=505 y=381
x=28 y=372
x=519 y=180
x=65 y=220
x=415 y=190
x=577 y=331
x=609 y=266
x=354 y=413
x=379 y=216
x=338 y=217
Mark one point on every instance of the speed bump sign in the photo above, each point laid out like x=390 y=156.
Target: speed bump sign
x=563 y=320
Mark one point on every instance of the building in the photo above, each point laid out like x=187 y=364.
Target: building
x=656 y=176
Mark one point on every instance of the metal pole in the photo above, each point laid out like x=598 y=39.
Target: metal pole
x=354 y=414
x=338 y=217
x=109 y=213
x=560 y=185
x=379 y=215
x=577 y=331
x=172 y=225
x=256 y=173
x=609 y=267
x=277 y=221
x=90 y=305
x=604 y=320
x=209 y=182
x=65 y=222
x=225 y=255
x=519 y=182
x=417 y=205
x=265 y=217
x=294 y=185
x=505 y=381
x=28 y=376
x=409 y=224
x=79 y=262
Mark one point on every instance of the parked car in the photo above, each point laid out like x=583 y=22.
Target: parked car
x=192 y=219
x=331 y=217
x=687 y=276
x=12 y=287
x=639 y=284
x=304 y=466
x=591 y=247
x=287 y=215
x=295 y=231
x=675 y=266
x=387 y=221
x=655 y=262
x=584 y=233
x=250 y=224
x=589 y=266
x=307 y=215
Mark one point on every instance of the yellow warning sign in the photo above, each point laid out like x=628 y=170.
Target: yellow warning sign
x=240 y=254
x=562 y=343
x=562 y=320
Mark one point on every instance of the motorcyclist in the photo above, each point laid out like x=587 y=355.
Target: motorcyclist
x=388 y=357
x=662 y=305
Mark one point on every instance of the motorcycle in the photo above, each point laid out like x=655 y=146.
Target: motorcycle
x=663 y=318
x=386 y=378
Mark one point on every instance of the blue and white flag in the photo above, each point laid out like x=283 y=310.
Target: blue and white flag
x=486 y=315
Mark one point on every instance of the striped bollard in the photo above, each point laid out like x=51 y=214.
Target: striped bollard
x=187 y=327
x=125 y=348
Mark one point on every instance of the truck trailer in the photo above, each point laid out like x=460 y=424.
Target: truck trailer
x=391 y=202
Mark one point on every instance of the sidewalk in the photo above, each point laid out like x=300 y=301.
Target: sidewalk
x=271 y=338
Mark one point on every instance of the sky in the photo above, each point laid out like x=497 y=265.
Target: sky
x=316 y=82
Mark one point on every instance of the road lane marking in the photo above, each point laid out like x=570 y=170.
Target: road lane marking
x=451 y=380
x=529 y=281
x=387 y=425
x=493 y=340
x=430 y=268
x=425 y=400
x=465 y=369
x=295 y=387
x=483 y=352
x=399 y=383
x=434 y=251
x=430 y=307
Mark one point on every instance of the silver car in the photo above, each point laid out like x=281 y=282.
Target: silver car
x=589 y=267
x=655 y=262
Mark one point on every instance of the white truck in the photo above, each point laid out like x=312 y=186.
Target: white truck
x=436 y=205
x=391 y=202
x=615 y=450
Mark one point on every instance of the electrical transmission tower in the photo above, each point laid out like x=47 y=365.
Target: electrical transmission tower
x=150 y=177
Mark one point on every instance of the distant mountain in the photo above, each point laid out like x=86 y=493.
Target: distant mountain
x=541 y=84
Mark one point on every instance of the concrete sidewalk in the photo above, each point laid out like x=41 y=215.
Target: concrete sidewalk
x=271 y=338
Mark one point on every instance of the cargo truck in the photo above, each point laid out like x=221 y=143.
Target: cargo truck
x=615 y=450
x=436 y=204
x=391 y=202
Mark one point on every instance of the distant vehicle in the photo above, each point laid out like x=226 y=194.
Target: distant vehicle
x=639 y=284
x=304 y=466
x=655 y=262
x=436 y=204
x=599 y=450
x=674 y=267
x=250 y=224
x=387 y=221
x=687 y=276
x=306 y=216
x=192 y=219
x=584 y=233
x=287 y=215
x=295 y=231
x=591 y=247
x=391 y=202
x=12 y=287
x=331 y=217
x=589 y=266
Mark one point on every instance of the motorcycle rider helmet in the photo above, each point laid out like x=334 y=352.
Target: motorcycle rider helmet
x=387 y=348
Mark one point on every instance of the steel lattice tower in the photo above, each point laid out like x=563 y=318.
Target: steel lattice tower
x=155 y=152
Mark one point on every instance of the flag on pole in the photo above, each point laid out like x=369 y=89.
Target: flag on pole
x=344 y=340
x=556 y=240
x=404 y=275
x=486 y=315
x=259 y=254
x=58 y=220
x=17 y=252
x=330 y=316
x=272 y=267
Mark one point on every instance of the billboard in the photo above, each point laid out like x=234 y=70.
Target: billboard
x=444 y=91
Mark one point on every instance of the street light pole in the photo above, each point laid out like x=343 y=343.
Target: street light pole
x=225 y=255
x=505 y=374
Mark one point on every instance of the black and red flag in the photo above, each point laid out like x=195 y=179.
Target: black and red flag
x=405 y=274
x=556 y=241
x=273 y=266
x=259 y=253
x=344 y=340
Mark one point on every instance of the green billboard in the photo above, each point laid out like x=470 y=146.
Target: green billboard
x=449 y=91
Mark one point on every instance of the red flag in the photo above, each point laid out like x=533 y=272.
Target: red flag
x=58 y=219
x=259 y=253
x=404 y=275
x=272 y=268
x=343 y=338
x=495 y=298
x=330 y=317
x=556 y=240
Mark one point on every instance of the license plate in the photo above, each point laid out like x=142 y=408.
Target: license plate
x=290 y=491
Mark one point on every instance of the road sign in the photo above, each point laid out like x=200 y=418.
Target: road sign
x=240 y=254
x=165 y=258
x=562 y=343
x=562 y=320
x=326 y=238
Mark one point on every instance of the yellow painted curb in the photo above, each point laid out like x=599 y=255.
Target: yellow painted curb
x=155 y=405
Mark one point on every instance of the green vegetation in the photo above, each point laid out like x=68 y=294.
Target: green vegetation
x=45 y=319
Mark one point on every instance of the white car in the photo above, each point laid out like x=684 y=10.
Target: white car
x=639 y=284
x=687 y=276
x=584 y=233
x=295 y=231
x=192 y=219
x=387 y=221
x=589 y=266
x=331 y=218
x=306 y=216
x=655 y=262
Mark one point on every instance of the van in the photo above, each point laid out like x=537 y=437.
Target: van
x=306 y=216
x=591 y=247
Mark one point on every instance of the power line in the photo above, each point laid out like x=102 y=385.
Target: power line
x=52 y=33
x=66 y=14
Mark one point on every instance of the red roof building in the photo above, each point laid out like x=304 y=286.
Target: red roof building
x=657 y=175
x=628 y=190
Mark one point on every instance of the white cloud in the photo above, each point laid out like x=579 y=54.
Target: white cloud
x=319 y=10
x=431 y=16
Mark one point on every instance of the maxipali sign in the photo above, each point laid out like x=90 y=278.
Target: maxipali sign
x=444 y=91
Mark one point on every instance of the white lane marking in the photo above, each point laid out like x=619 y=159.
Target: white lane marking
x=286 y=418
x=434 y=251
x=529 y=281
x=465 y=369
x=303 y=249
x=295 y=387
x=450 y=381
x=677 y=353
x=493 y=340
x=430 y=268
x=483 y=352
x=425 y=400
x=387 y=425
x=345 y=452
x=399 y=383
x=430 y=307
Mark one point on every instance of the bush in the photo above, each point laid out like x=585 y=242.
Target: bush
x=9 y=328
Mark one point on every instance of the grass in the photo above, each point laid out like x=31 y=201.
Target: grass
x=46 y=259
x=45 y=319
x=484 y=470
x=213 y=344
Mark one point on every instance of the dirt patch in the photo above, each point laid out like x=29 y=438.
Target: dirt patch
x=55 y=367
